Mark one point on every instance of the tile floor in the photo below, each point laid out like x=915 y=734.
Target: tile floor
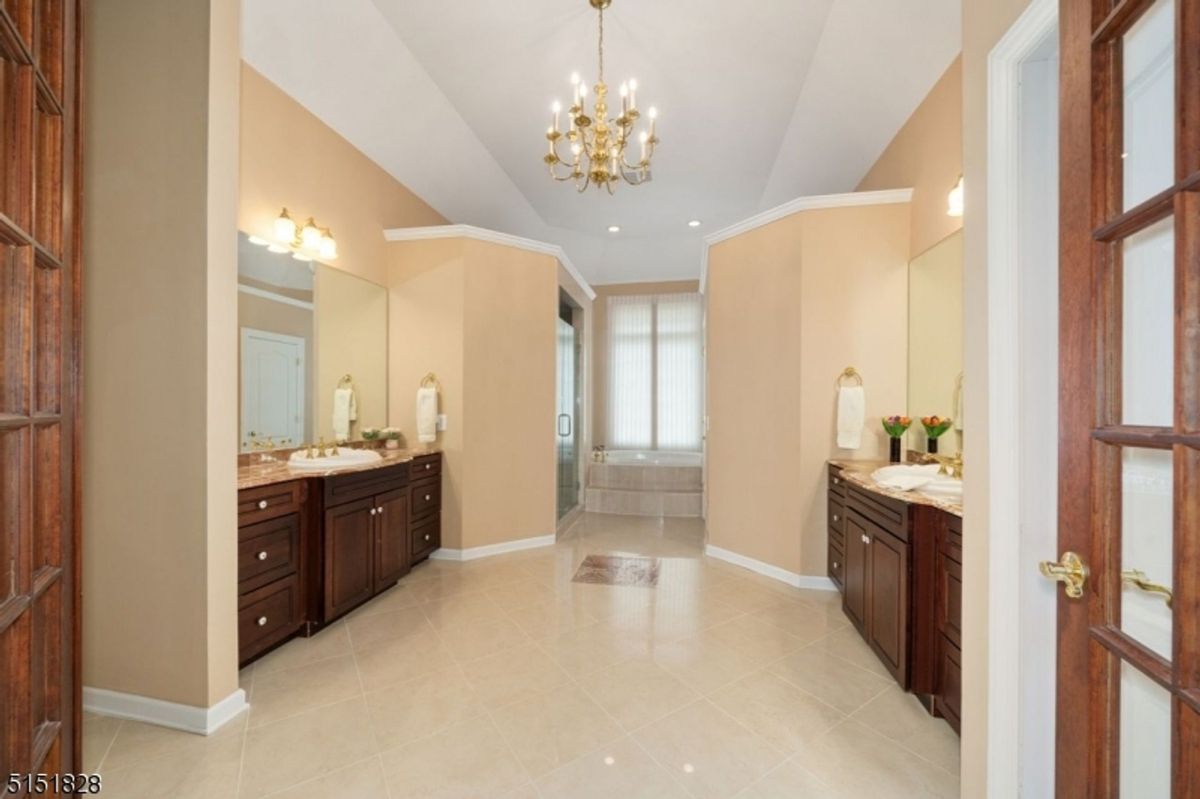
x=502 y=678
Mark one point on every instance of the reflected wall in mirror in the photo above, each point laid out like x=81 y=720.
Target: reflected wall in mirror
x=307 y=330
x=935 y=341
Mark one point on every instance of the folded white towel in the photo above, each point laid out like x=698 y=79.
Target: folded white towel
x=345 y=411
x=427 y=412
x=852 y=416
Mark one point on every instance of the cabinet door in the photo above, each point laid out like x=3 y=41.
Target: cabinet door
x=391 y=546
x=349 y=555
x=887 y=602
x=854 y=576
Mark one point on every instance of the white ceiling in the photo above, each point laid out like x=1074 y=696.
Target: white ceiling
x=760 y=101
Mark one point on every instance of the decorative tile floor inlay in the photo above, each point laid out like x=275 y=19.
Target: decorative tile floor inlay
x=616 y=570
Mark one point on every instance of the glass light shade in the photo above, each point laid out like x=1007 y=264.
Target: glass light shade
x=955 y=203
x=299 y=256
x=328 y=248
x=261 y=242
x=310 y=236
x=279 y=248
x=285 y=228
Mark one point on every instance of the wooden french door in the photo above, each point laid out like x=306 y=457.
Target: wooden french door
x=39 y=418
x=1129 y=474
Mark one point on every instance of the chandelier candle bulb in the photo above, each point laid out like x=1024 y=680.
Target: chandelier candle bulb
x=633 y=94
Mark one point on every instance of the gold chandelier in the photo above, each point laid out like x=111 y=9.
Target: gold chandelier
x=598 y=144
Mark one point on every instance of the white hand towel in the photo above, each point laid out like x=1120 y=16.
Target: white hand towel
x=345 y=410
x=852 y=416
x=427 y=411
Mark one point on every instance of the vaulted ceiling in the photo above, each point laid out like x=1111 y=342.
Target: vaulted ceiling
x=760 y=101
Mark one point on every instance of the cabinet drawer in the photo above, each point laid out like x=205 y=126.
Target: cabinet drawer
x=837 y=565
x=889 y=514
x=268 y=551
x=269 y=502
x=344 y=488
x=837 y=521
x=426 y=537
x=425 y=498
x=837 y=483
x=427 y=466
x=267 y=616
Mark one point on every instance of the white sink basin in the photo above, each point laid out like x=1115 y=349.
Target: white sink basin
x=344 y=457
x=922 y=478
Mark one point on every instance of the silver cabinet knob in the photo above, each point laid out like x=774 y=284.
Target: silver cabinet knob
x=837 y=481
x=379 y=511
x=262 y=621
x=835 y=564
x=427 y=536
x=428 y=497
x=428 y=466
x=837 y=518
x=262 y=505
x=866 y=539
x=262 y=555
x=374 y=511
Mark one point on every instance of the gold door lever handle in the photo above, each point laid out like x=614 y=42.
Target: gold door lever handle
x=1070 y=571
x=1139 y=581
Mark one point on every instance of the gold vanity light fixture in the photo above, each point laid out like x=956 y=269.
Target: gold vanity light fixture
x=306 y=243
x=956 y=201
x=599 y=146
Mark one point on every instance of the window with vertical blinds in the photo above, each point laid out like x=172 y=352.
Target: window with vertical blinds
x=655 y=372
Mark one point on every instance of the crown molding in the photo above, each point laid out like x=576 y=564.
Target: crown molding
x=493 y=237
x=813 y=203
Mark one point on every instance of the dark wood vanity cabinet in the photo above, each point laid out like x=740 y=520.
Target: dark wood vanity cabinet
x=899 y=567
x=312 y=550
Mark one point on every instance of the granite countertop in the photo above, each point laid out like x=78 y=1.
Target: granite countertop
x=859 y=473
x=258 y=474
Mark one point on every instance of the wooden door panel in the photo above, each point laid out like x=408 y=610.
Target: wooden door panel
x=854 y=598
x=392 y=549
x=349 y=556
x=888 y=602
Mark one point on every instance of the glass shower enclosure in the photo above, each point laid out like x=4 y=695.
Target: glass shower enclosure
x=567 y=408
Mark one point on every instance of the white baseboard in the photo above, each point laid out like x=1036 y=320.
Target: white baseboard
x=474 y=553
x=774 y=572
x=199 y=720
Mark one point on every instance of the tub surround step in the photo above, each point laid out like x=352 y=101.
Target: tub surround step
x=636 y=502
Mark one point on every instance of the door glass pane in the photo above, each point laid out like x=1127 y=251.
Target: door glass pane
x=568 y=483
x=1148 y=328
x=1149 y=104
x=1146 y=544
x=1145 y=763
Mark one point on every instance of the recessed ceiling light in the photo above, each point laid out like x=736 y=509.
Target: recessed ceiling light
x=614 y=228
x=694 y=223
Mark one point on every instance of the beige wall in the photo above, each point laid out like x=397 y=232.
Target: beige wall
x=351 y=328
x=935 y=339
x=482 y=317
x=926 y=155
x=290 y=158
x=160 y=348
x=790 y=305
x=984 y=24
x=600 y=345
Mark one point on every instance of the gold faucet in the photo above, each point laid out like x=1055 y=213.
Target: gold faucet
x=951 y=466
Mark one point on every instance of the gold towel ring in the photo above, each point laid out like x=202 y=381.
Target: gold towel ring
x=346 y=382
x=431 y=380
x=849 y=373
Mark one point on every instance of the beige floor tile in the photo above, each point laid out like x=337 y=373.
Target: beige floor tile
x=617 y=770
x=394 y=660
x=476 y=640
x=833 y=680
x=187 y=773
x=398 y=597
x=785 y=716
x=246 y=680
x=410 y=710
x=900 y=717
x=606 y=601
x=360 y=781
x=859 y=762
x=755 y=639
x=366 y=631
x=591 y=648
x=544 y=619
x=521 y=594
x=702 y=662
x=806 y=621
x=458 y=610
x=712 y=755
x=444 y=584
x=136 y=742
x=467 y=761
x=297 y=749
x=551 y=729
x=513 y=675
x=847 y=644
x=328 y=643
x=637 y=692
x=98 y=734
x=744 y=595
x=280 y=694
x=790 y=781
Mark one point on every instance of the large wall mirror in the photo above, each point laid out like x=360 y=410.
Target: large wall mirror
x=312 y=347
x=935 y=341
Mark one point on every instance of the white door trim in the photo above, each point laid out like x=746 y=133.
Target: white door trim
x=1004 y=373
